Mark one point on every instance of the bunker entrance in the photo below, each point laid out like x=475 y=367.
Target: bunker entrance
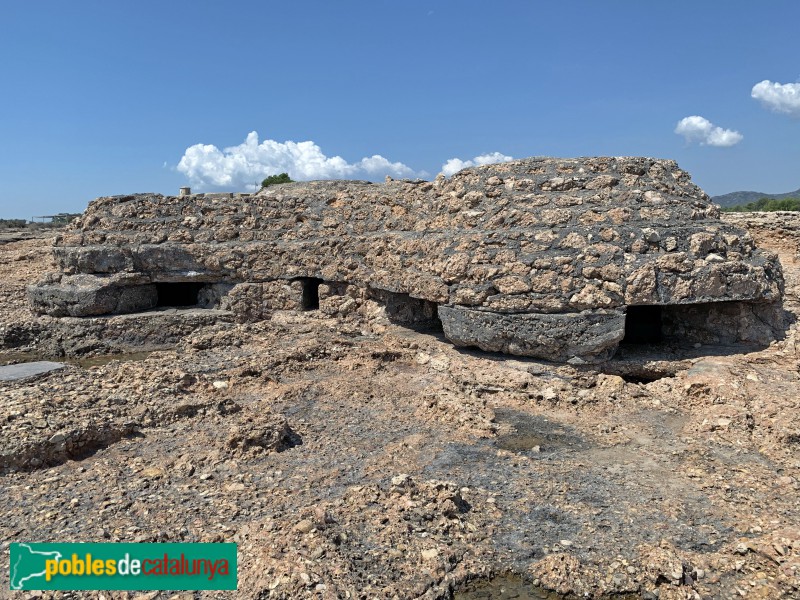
x=310 y=294
x=708 y=323
x=402 y=309
x=174 y=294
x=724 y=323
x=643 y=325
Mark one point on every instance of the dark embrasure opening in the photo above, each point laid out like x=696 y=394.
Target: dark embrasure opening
x=310 y=299
x=643 y=325
x=178 y=293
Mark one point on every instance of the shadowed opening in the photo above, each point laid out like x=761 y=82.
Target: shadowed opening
x=643 y=325
x=310 y=299
x=178 y=293
x=402 y=309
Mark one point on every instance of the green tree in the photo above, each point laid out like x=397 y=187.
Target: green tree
x=766 y=205
x=276 y=179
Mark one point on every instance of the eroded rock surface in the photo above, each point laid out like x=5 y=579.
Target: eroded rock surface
x=524 y=257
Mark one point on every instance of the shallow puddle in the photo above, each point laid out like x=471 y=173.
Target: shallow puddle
x=7 y=358
x=534 y=433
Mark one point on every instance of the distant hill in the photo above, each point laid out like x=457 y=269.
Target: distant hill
x=737 y=198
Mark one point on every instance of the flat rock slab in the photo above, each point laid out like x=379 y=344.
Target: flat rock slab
x=25 y=370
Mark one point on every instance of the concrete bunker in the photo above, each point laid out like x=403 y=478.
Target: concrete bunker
x=560 y=259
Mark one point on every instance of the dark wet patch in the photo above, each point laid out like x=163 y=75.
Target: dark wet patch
x=535 y=433
x=514 y=587
x=504 y=587
x=458 y=455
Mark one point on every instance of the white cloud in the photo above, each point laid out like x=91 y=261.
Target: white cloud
x=780 y=97
x=700 y=129
x=240 y=166
x=456 y=164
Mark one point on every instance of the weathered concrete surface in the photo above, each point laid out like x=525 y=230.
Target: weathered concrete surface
x=87 y=295
x=537 y=236
x=589 y=336
x=31 y=369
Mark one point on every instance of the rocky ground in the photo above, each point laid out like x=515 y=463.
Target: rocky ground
x=358 y=459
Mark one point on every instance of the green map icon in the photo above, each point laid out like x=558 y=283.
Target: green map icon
x=123 y=566
x=28 y=564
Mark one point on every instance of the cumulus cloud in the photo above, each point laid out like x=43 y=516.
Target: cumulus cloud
x=240 y=166
x=456 y=164
x=780 y=97
x=700 y=129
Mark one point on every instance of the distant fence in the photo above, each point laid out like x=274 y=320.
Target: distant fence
x=59 y=219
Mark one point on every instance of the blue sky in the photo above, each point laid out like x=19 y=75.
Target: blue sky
x=111 y=97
